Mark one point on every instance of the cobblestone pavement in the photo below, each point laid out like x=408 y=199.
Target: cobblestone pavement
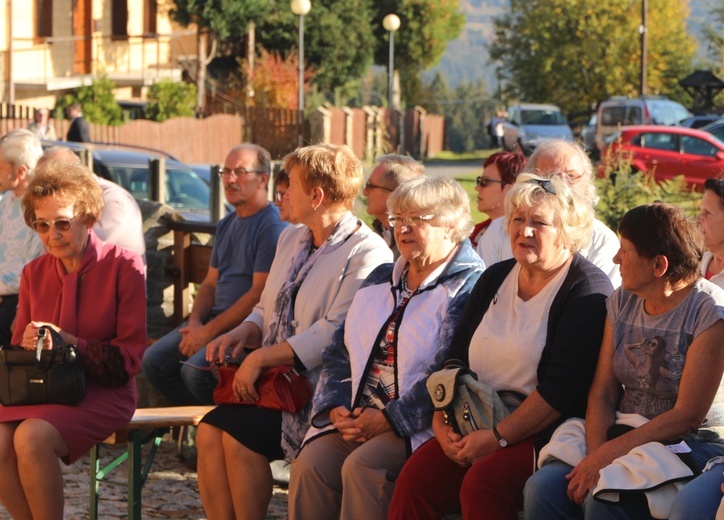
x=171 y=490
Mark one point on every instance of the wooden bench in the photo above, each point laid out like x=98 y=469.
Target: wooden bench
x=154 y=422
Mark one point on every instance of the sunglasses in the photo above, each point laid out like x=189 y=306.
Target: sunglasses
x=484 y=181
x=546 y=184
x=61 y=225
x=237 y=172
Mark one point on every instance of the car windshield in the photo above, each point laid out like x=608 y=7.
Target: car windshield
x=542 y=117
x=184 y=188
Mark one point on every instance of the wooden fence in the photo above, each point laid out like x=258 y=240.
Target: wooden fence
x=369 y=131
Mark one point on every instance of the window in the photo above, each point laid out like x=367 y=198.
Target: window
x=660 y=141
x=119 y=19
x=696 y=146
x=43 y=18
x=150 y=13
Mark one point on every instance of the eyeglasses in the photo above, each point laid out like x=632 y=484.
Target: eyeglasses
x=369 y=186
x=411 y=220
x=546 y=184
x=279 y=195
x=61 y=225
x=484 y=181
x=238 y=172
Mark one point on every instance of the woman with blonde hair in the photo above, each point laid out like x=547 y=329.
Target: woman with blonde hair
x=532 y=325
x=318 y=267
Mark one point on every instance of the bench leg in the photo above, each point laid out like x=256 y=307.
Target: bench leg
x=135 y=478
x=95 y=466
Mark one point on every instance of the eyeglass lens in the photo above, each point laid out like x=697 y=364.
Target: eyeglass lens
x=238 y=172
x=484 y=181
x=61 y=225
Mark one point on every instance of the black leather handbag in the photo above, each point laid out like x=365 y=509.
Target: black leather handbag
x=42 y=376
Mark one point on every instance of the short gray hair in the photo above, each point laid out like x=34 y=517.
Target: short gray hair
x=573 y=214
x=21 y=147
x=559 y=149
x=263 y=157
x=398 y=169
x=444 y=198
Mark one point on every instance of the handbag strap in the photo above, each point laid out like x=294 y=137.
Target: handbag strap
x=58 y=348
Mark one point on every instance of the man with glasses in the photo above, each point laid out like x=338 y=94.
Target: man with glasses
x=571 y=162
x=244 y=247
x=19 y=153
x=391 y=171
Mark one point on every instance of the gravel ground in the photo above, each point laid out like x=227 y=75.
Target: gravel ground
x=171 y=490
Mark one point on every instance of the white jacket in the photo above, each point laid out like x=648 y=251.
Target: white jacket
x=326 y=294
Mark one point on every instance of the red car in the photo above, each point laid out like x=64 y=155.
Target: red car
x=669 y=151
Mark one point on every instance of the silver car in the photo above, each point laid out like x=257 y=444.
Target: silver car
x=530 y=124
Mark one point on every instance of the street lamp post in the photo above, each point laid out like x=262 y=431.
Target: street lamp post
x=300 y=8
x=391 y=23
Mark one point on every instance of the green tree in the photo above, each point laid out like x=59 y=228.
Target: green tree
x=98 y=102
x=167 y=99
x=216 y=20
x=575 y=53
x=464 y=119
x=338 y=39
x=224 y=19
x=714 y=33
x=426 y=27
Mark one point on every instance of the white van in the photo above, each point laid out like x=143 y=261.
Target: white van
x=649 y=110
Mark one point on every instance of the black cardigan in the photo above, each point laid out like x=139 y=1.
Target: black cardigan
x=575 y=331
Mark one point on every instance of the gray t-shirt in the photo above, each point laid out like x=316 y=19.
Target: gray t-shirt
x=243 y=246
x=650 y=351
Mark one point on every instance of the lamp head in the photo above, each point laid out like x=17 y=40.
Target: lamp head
x=301 y=7
x=391 y=22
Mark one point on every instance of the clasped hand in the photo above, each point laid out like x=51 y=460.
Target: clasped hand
x=360 y=424
x=583 y=478
x=193 y=338
x=30 y=336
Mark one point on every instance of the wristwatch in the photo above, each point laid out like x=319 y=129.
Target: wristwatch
x=503 y=443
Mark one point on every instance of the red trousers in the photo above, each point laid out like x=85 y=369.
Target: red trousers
x=431 y=485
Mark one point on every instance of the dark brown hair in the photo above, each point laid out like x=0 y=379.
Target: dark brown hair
x=717 y=186
x=664 y=229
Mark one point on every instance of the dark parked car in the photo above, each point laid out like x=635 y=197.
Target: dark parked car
x=186 y=191
x=716 y=129
x=699 y=121
x=669 y=151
